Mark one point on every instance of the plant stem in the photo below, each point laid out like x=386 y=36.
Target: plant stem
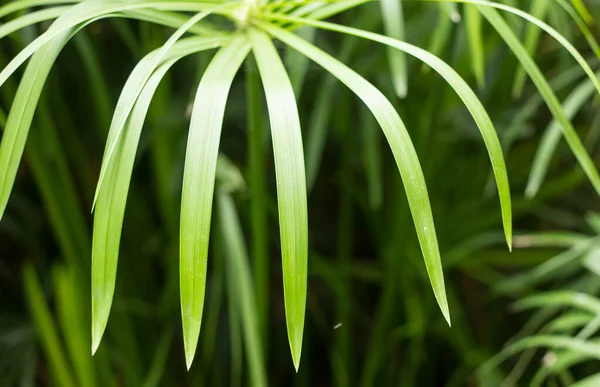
x=257 y=185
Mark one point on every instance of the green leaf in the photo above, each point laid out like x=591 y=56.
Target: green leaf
x=560 y=298
x=15 y=6
x=461 y=88
x=132 y=89
x=546 y=91
x=298 y=64
x=552 y=134
x=564 y=360
x=451 y=9
x=27 y=96
x=474 y=37
x=402 y=148
x=45 y=329
x=30 y=19
x=569 y=321
x=85 y=12
x=240 y=282
x=112 y=196
x=198 y=185
x=491 y=13
x=393 y=23
x=372 y=161
x=590 y=381
x=538 y=9
x=75 y=332
x=439 y=37
x=291 y=184
x=21 y=114
x=592 y=261
x=549 y=269
x=334 y=8
x=544 y=341
x=583 y=11
x=583 y=27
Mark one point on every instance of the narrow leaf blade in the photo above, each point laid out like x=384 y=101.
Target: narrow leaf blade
x=402 y=148
x=198 y=185
x=291 y=184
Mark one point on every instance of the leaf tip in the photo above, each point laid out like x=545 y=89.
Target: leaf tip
x=531 y=191
x=401 y=89
x=189 y=359
x=190 y=350
x=446 y=313
x=295 y=340
x=96 y=339
x=296 y=354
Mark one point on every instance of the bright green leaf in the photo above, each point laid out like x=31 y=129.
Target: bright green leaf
x=198 y=185
x=291 y=184
x=402 y=148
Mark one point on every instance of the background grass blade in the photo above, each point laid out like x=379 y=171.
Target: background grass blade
x=546 y=91
x=74 y=330
x=402 y=148
x=298 y=64
x=240 y=281
x=393 y=23
x=198 y=185
x=45 y=327
x=291 y=184
x=538 y=9
x=473 y=24
x=583 y=11
x=490 y=11
x=544 y=341
x=541 y=162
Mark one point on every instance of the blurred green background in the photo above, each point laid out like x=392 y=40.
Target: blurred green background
x=371 y=316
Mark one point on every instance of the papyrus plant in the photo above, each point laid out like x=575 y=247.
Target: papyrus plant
x=253 y=28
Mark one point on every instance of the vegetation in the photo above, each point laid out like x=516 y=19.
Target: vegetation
x=465 y=153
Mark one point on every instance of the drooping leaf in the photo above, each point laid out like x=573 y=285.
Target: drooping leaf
x=87 y=11
x=112 y=196
x=15 y=6
x=30 y=19
x=546 y=91
x=21 y=115
x=462 y=89
x=198 y=184
x=402 y=148
x=132 y=89
x=291 y=184
x=488 y=7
